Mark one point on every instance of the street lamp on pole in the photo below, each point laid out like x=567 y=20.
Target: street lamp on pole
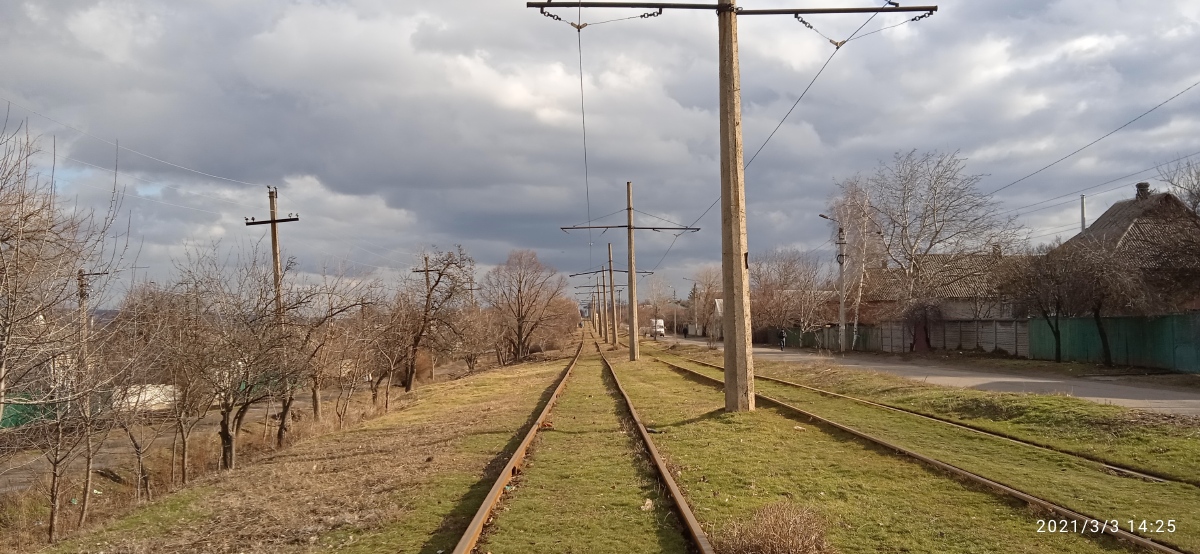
x=841 y=261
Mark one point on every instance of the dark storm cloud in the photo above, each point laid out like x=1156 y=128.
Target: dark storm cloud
x=394 y=126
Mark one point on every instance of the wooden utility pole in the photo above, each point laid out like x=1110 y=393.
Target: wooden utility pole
x=739 y=366
x=614 y=304
x=272 y=196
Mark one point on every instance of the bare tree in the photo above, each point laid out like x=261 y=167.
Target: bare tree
x=1045 y=281
x=1183 y=177
x=523 y=290
x=864 y=245
x=706 y=290
x=788 y=289
x=313 y=307
x=478 y=331
x=1107 y=283
x=934 y=225
x=46 y=343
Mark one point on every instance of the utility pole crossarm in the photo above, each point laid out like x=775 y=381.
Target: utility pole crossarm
x=270 y=221
x=692 y=229
x=272 y=196
x=604 y=270
x=723 y=7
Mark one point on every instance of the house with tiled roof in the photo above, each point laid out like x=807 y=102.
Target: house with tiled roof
x=1159 y=235
x=960 y=286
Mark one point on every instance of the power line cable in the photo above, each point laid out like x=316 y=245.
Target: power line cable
x=126 y=148
x=837 y=47
x=1106 y=135
x=153 y=183
x=1110 y=181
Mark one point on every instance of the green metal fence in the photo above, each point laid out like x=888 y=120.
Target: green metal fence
x=1166 y=342
x=16 y=415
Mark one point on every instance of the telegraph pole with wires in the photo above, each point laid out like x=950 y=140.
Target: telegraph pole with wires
x=735 y=254
x=610 y=309
x=634 y=353
x=272 y=196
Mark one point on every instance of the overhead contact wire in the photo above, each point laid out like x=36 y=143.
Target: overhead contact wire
x=837 y=47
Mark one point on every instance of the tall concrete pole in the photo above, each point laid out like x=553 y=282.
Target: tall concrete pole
x=841 y=260
x=604 y=307
x=612 y=286
x=634 y=352
x=735 y=252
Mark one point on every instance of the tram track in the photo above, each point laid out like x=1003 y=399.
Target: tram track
x=587 y=416
x=1146 y=474
x=1079 y=518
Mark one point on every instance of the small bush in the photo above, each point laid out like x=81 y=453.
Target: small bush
x=779 y=528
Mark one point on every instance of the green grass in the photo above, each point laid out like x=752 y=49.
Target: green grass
x=1159 y=444
x=1066 y=480
x=586 y=482
x=874 y=501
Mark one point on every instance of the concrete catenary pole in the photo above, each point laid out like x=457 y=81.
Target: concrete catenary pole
x=634 y=353
x=739 y=363
x=604 y=307
x=612 y=286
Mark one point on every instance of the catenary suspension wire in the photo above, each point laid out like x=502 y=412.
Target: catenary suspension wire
x=587 y=189
x=1106 y=135
x=837 y=47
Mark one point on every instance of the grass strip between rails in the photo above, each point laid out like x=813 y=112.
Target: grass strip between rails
x=1163 y=444
x=731 y=464
x=1083 y=486
x=405 y=482
x=587 y=486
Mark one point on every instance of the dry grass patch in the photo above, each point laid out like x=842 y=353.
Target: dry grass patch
x=778 y=528
x=396 y=483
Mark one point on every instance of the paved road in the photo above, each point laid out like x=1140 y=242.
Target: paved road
x=1144 y=397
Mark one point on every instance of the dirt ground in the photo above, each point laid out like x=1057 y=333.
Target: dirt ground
x=25 y=470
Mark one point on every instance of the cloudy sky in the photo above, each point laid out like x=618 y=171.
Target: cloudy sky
x=396 y=125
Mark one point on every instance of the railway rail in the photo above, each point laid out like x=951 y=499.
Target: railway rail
x=1058 y=510
x=1147 y=475
x=475 y=529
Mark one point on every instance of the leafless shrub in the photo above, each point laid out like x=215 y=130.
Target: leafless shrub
x=779 y=528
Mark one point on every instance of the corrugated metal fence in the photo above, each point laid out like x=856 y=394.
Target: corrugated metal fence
x=994 y=336
x=1166 y=342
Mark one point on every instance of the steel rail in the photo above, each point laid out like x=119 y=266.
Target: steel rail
x=954 y=470
x=473 y=531
x=1141 y=474
x=699 y=538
